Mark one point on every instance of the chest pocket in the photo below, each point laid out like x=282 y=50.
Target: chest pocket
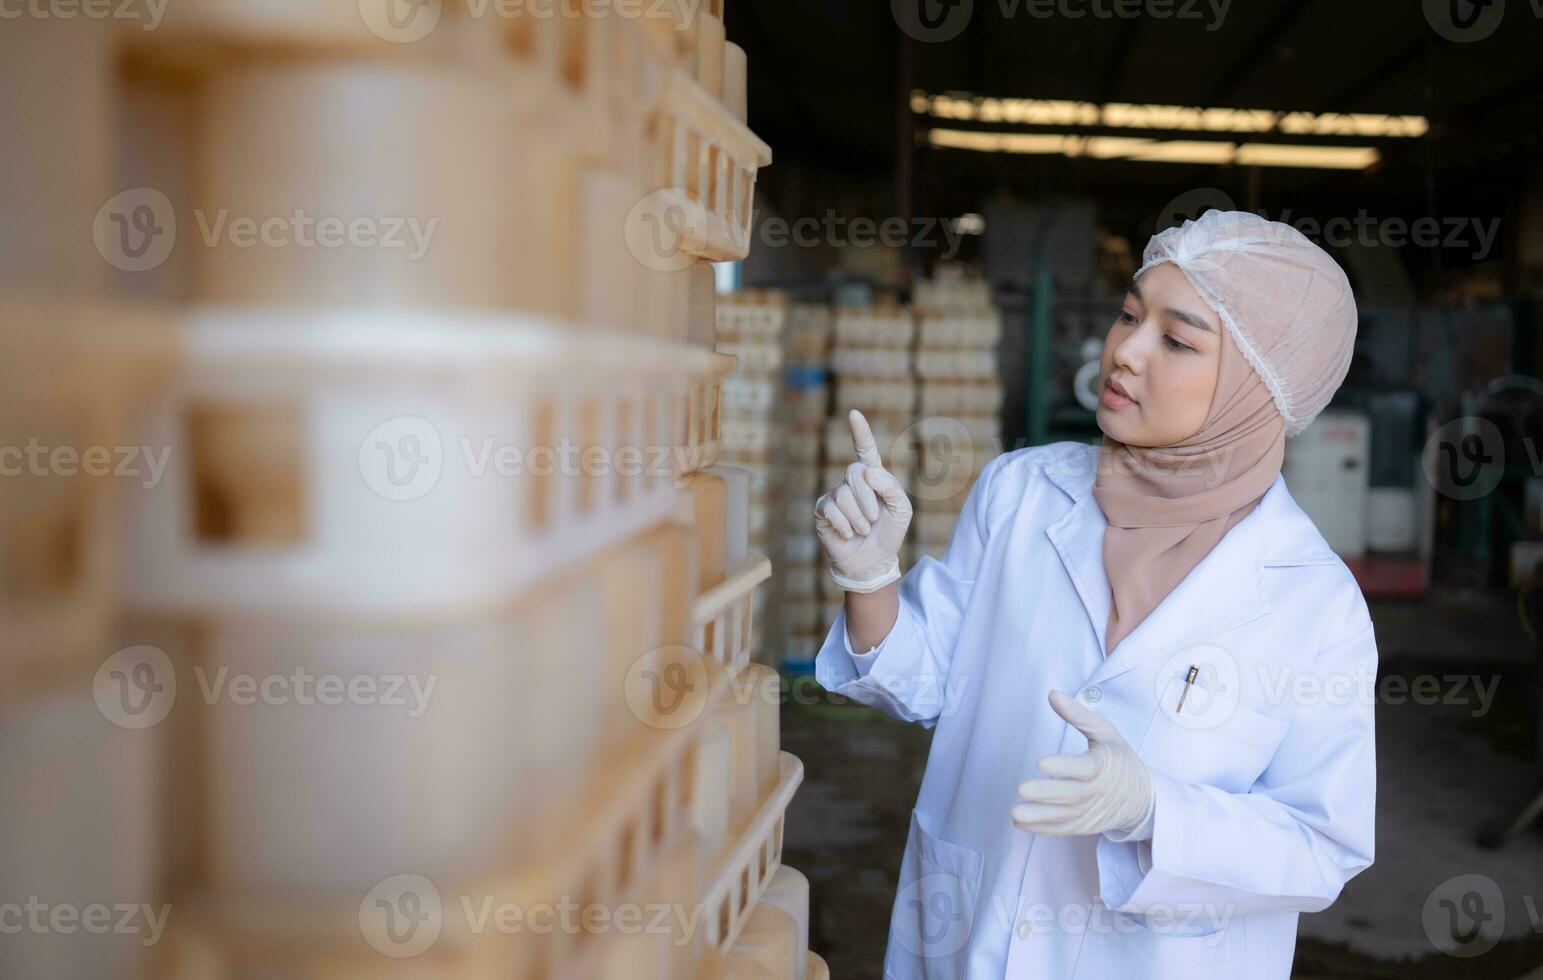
x=1212 y=741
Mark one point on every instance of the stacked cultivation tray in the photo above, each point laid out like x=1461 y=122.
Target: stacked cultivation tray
x=959 y=430
x=750 y=327
x=871 y=363
x=424 y=606
x=808 y=400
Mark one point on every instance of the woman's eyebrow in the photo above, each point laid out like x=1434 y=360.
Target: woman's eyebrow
x=1184 y=316
x=1187 y=317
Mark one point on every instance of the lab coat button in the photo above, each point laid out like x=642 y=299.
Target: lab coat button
x=1025 y=929
x=1092 y=695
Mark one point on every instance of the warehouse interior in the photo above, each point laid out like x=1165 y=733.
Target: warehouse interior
x=412 y=416
x=1447 y=332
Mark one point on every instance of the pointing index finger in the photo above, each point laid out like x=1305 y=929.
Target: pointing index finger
x=862 y=440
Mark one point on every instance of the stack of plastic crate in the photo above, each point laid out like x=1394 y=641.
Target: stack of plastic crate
x=422 y=611
x=750 y=327
x=871 y=361
x=79 y=792
x=959 y=430
x=755 y=910
x=79 y=772
x=808 y=400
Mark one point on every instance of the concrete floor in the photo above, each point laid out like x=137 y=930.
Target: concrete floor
x=1448 y=773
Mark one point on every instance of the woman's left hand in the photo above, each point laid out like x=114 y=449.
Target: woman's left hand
x=1107 y=788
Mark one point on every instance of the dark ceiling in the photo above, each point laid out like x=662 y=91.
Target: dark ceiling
x=827 y=79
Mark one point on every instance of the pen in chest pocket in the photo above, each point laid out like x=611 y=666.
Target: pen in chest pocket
x=1189 y=681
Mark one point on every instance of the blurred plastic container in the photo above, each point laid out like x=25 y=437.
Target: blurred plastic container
x=351 y=465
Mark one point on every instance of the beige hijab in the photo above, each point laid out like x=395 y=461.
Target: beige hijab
x=1168 y=506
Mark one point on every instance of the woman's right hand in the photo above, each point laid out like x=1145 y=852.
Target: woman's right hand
x=862 y=522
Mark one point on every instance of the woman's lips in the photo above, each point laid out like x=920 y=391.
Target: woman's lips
x=1111 y=396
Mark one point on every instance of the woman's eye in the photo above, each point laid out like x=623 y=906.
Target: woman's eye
x=1174 y=344
x=1126 y=316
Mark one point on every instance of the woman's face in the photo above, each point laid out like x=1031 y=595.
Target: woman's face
x=1160 y=362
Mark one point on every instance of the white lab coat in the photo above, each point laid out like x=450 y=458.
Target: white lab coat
x=1265 y=782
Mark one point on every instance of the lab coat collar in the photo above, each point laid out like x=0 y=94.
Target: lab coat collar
x=1224 y=591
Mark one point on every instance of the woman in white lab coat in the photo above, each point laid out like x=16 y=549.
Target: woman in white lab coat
x=1150 y=676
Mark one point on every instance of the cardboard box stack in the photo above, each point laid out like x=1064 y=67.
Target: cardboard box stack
x=422 y=608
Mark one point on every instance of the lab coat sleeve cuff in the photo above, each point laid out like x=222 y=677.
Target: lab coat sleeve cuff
x=1119 y=870
x=1125 y=859
x=897 y=677
x=862 y=663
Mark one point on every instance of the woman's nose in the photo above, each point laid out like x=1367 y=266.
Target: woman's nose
x=1130 y=353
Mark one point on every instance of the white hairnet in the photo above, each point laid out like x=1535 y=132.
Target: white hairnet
x=1286 y=303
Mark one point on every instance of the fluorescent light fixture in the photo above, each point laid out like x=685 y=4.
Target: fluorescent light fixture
x=1352 y=124
x=1294 y=155
x=1157 y=151
x=1126 y=115
x=1180 y=151
x=968 y=139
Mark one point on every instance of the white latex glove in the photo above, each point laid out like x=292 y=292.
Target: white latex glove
x=1105 y=789
x=862 y=522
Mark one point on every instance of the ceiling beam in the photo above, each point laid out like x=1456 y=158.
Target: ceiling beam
x=1493 y=103
x=1113 y=75
x=1344 y=99
x=1256 y=52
